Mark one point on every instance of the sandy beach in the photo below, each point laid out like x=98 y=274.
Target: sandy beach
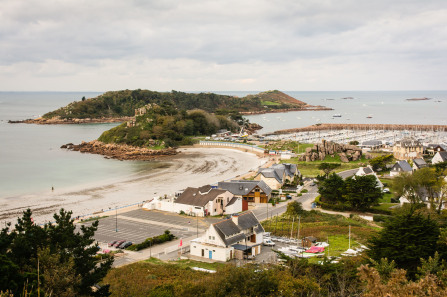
x=193 y=167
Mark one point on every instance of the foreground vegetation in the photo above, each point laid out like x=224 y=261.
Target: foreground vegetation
x=51 y=260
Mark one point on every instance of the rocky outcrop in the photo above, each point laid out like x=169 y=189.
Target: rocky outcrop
x=58 y=120
x=119 y=151
x=319 y=151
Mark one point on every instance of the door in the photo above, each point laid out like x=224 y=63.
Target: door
x=203 y=253
x=231 y=254
x=211 y=254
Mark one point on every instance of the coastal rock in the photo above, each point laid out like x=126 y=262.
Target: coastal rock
x=57 y=120
x=119 y=151
x=320 y=150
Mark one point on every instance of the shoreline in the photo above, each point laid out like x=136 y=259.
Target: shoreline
x=194 y=167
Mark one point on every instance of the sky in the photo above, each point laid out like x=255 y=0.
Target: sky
x=232 y=45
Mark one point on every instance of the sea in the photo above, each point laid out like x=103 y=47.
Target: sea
x=31 y=160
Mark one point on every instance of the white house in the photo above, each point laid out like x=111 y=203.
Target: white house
x=203 y=201
x=236 y=237
x=419 y=163
x=276 y=175
x=401 y=166
x=369 y=171
x=439 y=157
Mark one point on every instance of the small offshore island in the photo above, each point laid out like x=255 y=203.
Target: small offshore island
x=155 y=123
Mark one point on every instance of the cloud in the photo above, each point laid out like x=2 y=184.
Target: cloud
x=43 y=39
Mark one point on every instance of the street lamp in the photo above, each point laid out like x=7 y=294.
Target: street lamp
x=116 y=219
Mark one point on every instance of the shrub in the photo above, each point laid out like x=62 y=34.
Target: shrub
x=167 y=236
x=304 y=191
x=379 y=218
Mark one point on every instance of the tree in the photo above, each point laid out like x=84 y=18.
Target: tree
x=294 y=209
x=332 y=188
x=380 y=162
x=362 y=191
x=59 y=249
x=328 y=167
x=405 y=239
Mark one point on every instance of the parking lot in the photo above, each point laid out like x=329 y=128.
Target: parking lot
x=137 y=225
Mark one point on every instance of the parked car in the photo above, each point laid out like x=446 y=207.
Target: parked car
x=268 y=242
x=267 y=234
x=118 y=243
x=112 y=242
x=125 y=244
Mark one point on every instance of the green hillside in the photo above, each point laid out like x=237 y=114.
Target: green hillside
x=123 y=103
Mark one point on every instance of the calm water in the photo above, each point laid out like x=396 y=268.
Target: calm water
x=383 y=107
x=31 y=159
x=30 y=156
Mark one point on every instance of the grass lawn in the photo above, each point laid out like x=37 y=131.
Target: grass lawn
x=293 y=146
x=386 y=198
x=186 y=263
x=310 y=169
x=270 y=103
x=384 y=206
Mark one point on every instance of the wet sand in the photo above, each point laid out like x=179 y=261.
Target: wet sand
x=193 y=167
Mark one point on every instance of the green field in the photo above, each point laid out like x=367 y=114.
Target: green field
x=310 y=169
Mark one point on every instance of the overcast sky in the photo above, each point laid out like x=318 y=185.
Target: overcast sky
x=197 y=45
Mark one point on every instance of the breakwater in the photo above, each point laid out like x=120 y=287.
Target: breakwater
x=390 y=127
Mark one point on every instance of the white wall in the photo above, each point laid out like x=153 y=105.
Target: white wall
x=235 y=207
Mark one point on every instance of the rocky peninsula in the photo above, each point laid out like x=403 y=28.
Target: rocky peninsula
x=58 y=120
x=119 y=151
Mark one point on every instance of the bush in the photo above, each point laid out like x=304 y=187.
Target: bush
x=167 y=236
x=379 y=218
x=304 y=191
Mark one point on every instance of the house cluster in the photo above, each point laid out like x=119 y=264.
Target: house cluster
x=238 y=237
x=227 y=197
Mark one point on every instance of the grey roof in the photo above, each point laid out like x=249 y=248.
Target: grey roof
x=199 y=196
x=404 y=165
x=420 y=163
x=232 y=201
x=367 y=170
x=243 y=187
x=372 y=142
x=347 y=173
x=278 y=170
x=231 y=232
x=434 y=145
x=443 y=155
x=409 y=142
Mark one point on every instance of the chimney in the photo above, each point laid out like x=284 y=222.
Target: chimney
x=235 y=218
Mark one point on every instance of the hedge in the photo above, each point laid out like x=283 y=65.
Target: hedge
x=167 y=236
x=324 y=205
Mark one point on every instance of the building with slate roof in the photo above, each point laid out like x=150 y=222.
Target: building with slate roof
x=362 y=171
x=236 y=237
x=276 y=175
x=203 y=201
x=433 y=148
x=439 y=157
x=408 y=149
x=256 y=191
x=419 y=163
x=401 y=166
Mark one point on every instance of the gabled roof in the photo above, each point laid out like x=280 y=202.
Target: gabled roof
x=277 y=171
x=366 y=170
x=199 y=196
x=372 y=142
x=243 y=187
x=232 y=201
x=419 y=162
x=408 y=142
x=443 y=155
x=230 y=232
x=404 y=165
